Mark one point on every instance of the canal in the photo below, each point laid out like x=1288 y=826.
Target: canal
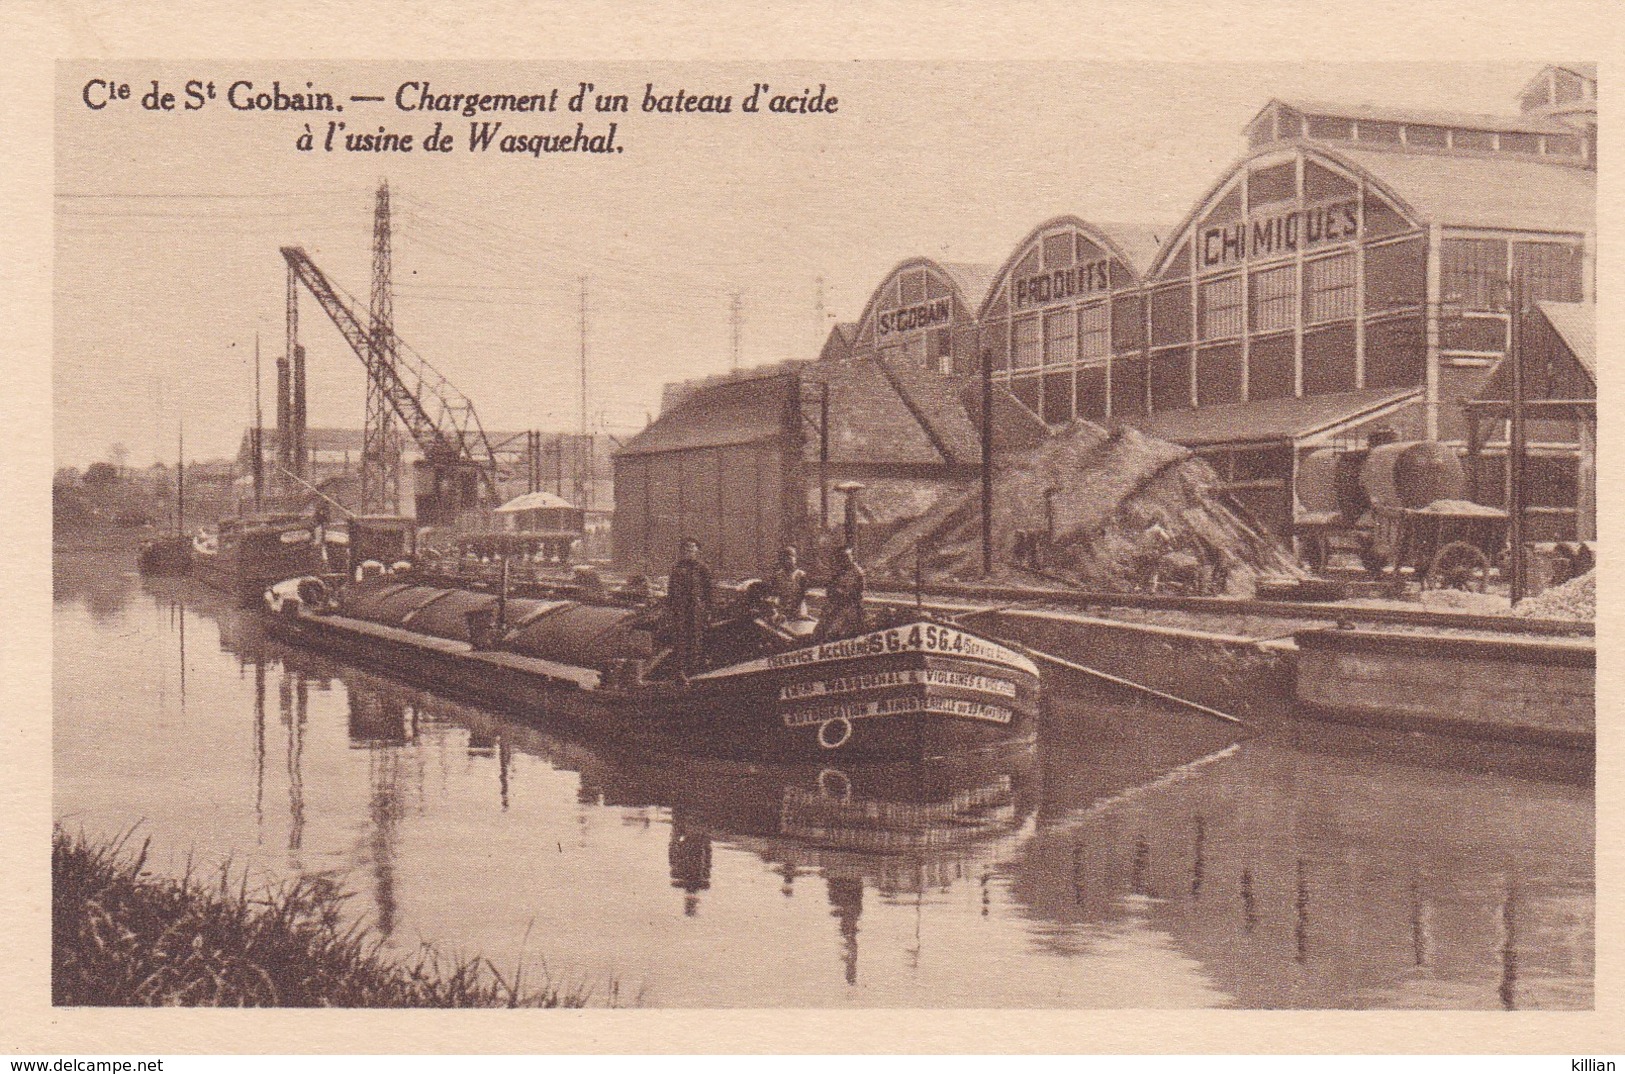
x=1139 y=857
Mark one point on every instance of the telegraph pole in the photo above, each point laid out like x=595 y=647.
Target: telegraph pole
x=1516 y=436
x=987 y=462
x=734 y=316
x=581 y=485
x=256 y=442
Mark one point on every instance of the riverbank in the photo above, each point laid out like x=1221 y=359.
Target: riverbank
x=122 y=937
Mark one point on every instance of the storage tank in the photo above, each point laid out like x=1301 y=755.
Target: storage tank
x=1413 y=473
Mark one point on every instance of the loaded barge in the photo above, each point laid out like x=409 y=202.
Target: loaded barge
x=911 y=689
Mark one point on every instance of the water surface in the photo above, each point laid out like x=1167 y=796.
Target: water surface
x=1137 y=858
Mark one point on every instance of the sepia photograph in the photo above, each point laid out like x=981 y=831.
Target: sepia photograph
x=1096 y=536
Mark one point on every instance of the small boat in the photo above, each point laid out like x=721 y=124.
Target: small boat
x=247 y=555
x=912 y=689
x=165 y=556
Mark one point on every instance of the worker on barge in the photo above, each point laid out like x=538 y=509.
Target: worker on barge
x=787 y=585
x=843 y=608
x=688 y=603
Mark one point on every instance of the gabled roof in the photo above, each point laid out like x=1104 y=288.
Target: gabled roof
x=1136 y=245
x=1433 y=188
x=1271 y=421
x=743 y=409
x=1576 y=325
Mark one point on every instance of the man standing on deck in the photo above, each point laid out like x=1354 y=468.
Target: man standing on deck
x=787 y=585
x=843 y=608
x=688 y=601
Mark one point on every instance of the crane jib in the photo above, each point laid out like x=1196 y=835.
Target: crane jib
x=382 y=360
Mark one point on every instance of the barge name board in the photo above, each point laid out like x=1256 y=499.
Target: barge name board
x=852 y=683
x=899 y=706
x=919 y=638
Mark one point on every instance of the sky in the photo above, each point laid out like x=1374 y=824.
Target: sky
x=168 y=224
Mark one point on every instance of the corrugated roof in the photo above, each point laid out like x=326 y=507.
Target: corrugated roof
x=734 y=410
x=1483 y=121
x=1576 y=324
x=1486 y=192
x=1271 y=421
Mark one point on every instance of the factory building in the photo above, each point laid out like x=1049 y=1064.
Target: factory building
x=1064 y=314
x=923 y=316
x=1350 y=272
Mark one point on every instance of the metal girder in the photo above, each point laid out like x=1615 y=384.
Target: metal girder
x=439 y=417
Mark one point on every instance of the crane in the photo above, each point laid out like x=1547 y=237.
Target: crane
x=439 y=417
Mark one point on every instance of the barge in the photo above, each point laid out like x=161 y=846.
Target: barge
x=247 y=555
x=912 y=689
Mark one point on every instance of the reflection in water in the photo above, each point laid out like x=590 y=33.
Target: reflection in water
x=1137 y=858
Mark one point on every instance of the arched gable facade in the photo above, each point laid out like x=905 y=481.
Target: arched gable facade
x=923 y=315
x=1298 y=274
x=1062 y=314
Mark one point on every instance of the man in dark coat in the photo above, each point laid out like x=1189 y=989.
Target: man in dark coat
x=843 y=606
x=688 y=602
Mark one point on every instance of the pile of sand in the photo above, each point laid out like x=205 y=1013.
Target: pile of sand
x=1574 y=599
x=1122 y=503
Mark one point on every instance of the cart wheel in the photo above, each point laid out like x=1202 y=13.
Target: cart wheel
x=1459 y=565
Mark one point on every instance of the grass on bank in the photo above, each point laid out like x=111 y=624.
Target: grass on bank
x=122 y=937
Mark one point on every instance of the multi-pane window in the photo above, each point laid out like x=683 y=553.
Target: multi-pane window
x=1328 y=289
x=1473 y=273
x=1028 y=342
x=1222 y=308
x=1059 y=337
x=1551 y=270
x=1275 y=298
x=1094 y=331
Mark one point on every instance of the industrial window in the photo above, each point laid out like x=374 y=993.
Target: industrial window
x=1551 y=270
x=1274 y=295
x=1516 y=142
x=1463 y=139
x=1222 y=314
x=1094 y=331
x=1395 y=275
x=1170 y=315
x=1058 y=398
x=1089 y=399
x=1473 y=273
x=1270 y=185
x=1088 y=251
x=1128 y=387
x=913 y=351
x=1218 y=375
x=1485 y=335
x=1328 y=285
x=1330 y=127
x=942 y=349
x=1128 y=324
x=1180 y=265
x=1057 y=251
x=1121 y=275
x=1328 y=360
x=1371 y=130
x=1060 y=337
x=1290 y=124
x=1395 y=352
x=1228 y=210
x=1563 y=145
x=1270 y=368
x=1171 y=379
x=1028 y=342
x=1431 y=137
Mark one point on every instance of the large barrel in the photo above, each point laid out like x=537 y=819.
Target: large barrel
x=1413 y=473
